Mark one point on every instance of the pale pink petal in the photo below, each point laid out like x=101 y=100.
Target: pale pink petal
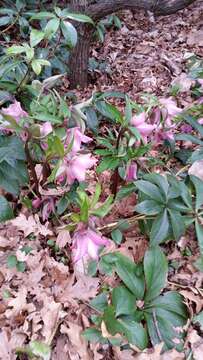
x=15 y=110
x=171 y=106
x=200 y=121
x=46 y=129
x=36 y=203
x=131 y=172
x=92 y=249
x=138 y=119
x=80 y=245
x=79 y=138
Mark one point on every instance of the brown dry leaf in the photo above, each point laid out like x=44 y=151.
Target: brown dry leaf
x=63 y=239
x=74 y=334
x=196 y=344
x=31 y=225
x=51 y=314
x=84 y=289
x=123 y=355
x=5 y=347
x=196 y=169
x=183 y=81
x=195 y=38
x=19 y=304
x=8 y=242
x=194 y=298
x=60 y=351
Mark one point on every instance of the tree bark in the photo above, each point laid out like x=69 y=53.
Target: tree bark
x=97 y=10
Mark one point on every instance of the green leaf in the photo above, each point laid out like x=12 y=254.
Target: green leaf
x=79 y=17
x=35 y=37
x=149 y=207
x=135 y=333
x=51 y=28
x=194 y=123
x=165 y=316
x=21 y=266
x=99 y=302
x=156 y=270
x=69 y=32
x=36 y=66
x=150 y=190
x=112 y=324
x=93 y=335
x=40 y=349
x=117 y=236
x=4 y=20
x=84 y=210
x=131 y=274
x=109 y=111
x=198 y=184
x=188 y=137
x=6 y=212
x=123 y=301
x=108 y=163
x=91 y=119
x=96 y=196
x=199 y=233
x=160 y=228
x=15 y=50
x=103 y=210
x=177 y=222
x=12 y=261
x=198 y=319
x=160 y=181
x=43 y=15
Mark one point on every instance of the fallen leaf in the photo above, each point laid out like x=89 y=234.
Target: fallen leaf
x=194 y=298
x=196 y=169
x=51 y=314
x=31 y=225
x=63 y=239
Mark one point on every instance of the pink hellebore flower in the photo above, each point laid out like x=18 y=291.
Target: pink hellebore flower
x=170 y=106
x=131 y=172
x=200 y=81
x=15 y=110
x=36 y=203
x=79 y=138
x=139 y=121
x=88 y=242
x=48 y=208
x=75 y=168
x=46 y=129
x=200 y=121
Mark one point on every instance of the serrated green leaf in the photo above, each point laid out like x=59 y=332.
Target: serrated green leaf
x=131 y=275
x=6 y=212
x=149 y=207
x=43 y=15
x=108 y=163
x=150 y=190
x=109 y=111
x=199 y=233
x=79 y=17
x=177 y=222
x=99 y=302
x=93 y=335
x=155 y=269
x=123 y=301
x=160 y=228
x=117 y=236
x=135 y=333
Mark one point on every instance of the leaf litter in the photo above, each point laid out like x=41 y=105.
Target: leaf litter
x=48 y=302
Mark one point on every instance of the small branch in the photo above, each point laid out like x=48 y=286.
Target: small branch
x=10 y=26
x=115 y=176
x=32 y=167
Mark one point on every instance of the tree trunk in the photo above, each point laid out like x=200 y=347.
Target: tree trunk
x=79 y=57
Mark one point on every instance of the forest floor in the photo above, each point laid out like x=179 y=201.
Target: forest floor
x=49 y=300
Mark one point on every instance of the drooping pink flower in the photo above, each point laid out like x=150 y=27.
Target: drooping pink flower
x=139 y=121
x=74 y=168
x=48 y=208
x=78 y=138
x=171 y=107
x=200 y=81
x=131 y=172
x=36 y=203
x=200 y=121
x=15 y=110
x=88 y=242
x=46 y=129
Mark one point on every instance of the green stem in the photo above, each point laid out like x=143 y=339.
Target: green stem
x=115 y=176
